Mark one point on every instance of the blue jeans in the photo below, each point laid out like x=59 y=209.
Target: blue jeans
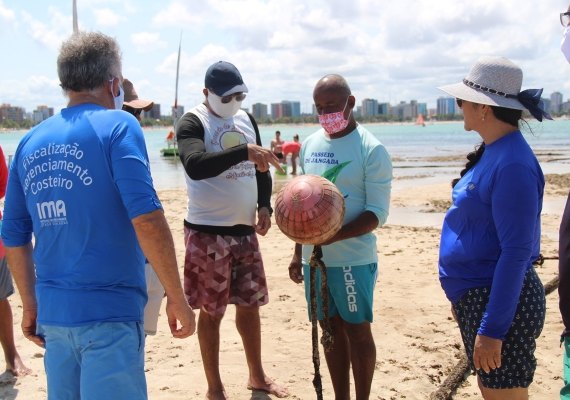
x=565 y=391
x=104 y=360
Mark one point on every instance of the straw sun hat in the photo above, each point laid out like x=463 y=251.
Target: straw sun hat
x=497 y=81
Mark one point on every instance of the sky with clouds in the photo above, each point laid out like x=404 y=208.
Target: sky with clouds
x=388 y=50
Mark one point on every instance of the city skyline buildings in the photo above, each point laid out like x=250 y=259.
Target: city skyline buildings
x=368 y=107
x=379 y=53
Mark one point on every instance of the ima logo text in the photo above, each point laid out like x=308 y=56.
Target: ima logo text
x=52 y=212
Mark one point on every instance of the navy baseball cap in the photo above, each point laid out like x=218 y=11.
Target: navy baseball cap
x=223 y=78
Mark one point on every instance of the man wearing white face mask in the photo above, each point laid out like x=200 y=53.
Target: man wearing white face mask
x=80 y=184
x=228 y=186
x=358 y=164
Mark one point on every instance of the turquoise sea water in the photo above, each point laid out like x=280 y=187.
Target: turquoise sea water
x=429 y=151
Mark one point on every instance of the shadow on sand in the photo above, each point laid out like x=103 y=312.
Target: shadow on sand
x=7 y=382
x=259 y=395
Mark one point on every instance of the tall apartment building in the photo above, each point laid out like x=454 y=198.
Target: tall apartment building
x=446 y=106
x=259 y=111
x=154 y=112
x=8 y=112
x=369 y=107
x=291 y=108
x=404 y=110
x=41 y=114
x=276 y=110
x=422 y=109
x=556 y=101
x=285 y=108
x=384 y=108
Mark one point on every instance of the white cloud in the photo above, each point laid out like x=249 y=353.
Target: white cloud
x=51 y=34
x=392 y=51
x=147 y=41
x=106 y=17
x=385 y=51
x=178 y=14
x=6 y=15
x=35 y=90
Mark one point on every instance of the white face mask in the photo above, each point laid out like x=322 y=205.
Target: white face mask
x=120 y=98
x=565 y=45
x=224 y=110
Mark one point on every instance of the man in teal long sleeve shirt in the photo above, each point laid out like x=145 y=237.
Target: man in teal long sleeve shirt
x=358 y=164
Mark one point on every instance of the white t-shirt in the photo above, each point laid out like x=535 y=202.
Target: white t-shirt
x=230 y=198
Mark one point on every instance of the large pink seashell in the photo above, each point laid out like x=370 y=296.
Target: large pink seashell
x=309 y=209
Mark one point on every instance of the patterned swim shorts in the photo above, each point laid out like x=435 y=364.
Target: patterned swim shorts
x=6 y=286
x=221 y=270
x=517 y=355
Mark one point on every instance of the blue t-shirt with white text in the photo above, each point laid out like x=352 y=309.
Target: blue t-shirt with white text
x=75 y=183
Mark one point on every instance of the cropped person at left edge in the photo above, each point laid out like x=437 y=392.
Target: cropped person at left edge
x=80 y=184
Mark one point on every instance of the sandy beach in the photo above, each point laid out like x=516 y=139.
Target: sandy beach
x=417 y=341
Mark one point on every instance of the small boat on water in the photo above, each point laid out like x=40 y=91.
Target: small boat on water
x=420 y=120
x=169 y=152
x=171 y=149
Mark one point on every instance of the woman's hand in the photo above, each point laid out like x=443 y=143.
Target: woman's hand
x=487 y=353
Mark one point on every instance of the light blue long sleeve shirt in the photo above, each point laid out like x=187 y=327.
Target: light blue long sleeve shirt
x=361 y=169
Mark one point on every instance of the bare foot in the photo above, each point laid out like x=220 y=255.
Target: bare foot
x=269 y=386
x=18 y=369
x=217 y=395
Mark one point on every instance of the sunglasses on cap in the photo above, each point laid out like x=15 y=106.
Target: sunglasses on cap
x=229 y=97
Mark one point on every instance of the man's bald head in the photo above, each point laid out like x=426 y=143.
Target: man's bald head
x=332 y=96
x=334 y=83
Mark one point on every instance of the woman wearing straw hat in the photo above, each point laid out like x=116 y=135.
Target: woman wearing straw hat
x=491 y=233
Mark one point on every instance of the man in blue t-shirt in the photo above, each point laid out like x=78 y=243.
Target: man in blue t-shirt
x=80 y=184
x=358 y=164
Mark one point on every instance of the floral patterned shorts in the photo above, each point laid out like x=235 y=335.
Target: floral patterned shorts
x=517 y=356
